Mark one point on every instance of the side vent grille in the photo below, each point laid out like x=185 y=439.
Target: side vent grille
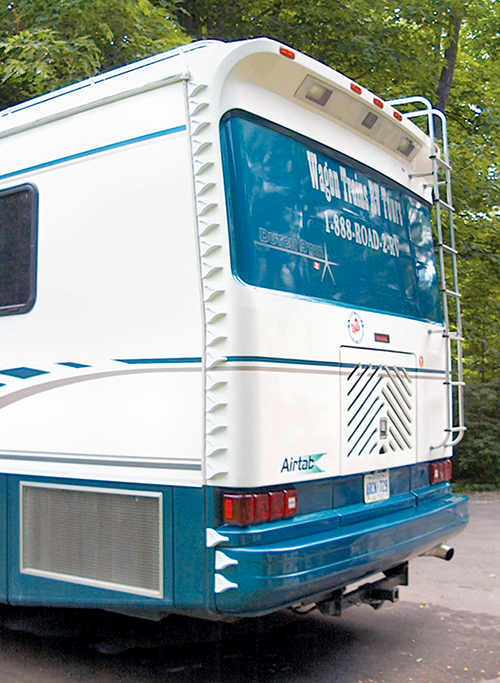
x=97 y=537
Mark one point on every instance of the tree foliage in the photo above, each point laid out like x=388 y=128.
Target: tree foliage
x=445 y=50
x=46 y=45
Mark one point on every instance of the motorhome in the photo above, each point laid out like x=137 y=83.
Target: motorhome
x=230 y=372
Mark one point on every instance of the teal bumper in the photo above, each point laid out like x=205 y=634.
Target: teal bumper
x=300 y=559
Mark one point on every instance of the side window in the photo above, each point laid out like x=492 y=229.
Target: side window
x=18 y=233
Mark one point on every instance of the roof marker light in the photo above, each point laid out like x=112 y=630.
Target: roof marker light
x=287 y=53
x=378 y=102
x=397 y=115
x=356 y=88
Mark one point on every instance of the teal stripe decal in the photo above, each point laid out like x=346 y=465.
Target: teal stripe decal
x=287 y=361
x=316 y=363
x=151 y=361
x=96 y=150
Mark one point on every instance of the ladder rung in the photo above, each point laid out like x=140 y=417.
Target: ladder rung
x=440 y=162
x=453 y=336
x=443 y=205
x=421 y=175
x=455 y=384
x=450 y=292
x=448 y=249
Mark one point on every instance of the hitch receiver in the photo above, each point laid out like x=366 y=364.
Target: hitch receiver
x=374 y=594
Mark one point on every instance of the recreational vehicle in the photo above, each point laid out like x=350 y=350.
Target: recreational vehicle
x=230 y=370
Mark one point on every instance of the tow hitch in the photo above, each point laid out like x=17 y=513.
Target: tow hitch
x=374 y=594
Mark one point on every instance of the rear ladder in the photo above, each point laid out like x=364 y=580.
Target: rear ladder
x=447 y=257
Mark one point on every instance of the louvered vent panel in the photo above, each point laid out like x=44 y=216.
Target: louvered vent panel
x=379 y=417
x=93 y=537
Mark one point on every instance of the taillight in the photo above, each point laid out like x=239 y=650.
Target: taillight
x=276 y=505
x=244 y=509
x=440 y=471
x=239 y=509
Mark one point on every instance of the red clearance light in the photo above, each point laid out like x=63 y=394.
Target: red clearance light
x=287 y=53
x=244 y=509
x=397 y=115
x=378 y=102
x=440 y=471
x=356 y=88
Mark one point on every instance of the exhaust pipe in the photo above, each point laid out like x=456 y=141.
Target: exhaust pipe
x=444 y=552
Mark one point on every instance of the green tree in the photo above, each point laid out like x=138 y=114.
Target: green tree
x=46 y=45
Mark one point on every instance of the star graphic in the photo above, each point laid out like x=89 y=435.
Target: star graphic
x=327 y=266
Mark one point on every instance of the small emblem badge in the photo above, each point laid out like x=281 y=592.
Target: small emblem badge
x=356 y=327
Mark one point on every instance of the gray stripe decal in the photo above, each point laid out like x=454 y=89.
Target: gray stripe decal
x=116 y=462
x=55 y=384
x=317 y=363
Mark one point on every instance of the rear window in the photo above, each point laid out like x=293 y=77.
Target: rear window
x=309 y=221
x=18 y=229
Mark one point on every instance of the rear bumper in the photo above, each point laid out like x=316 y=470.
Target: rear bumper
x=279 y=565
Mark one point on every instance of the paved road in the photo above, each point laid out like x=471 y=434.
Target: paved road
x=446 y=628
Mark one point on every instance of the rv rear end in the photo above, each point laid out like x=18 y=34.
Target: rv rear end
x=199 y=413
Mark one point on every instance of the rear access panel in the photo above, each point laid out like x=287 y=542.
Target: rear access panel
x=378 y=406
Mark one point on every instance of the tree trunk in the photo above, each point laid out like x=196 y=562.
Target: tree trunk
x=446 y=77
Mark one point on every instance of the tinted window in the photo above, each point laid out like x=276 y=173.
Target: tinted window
x=18 y=210
x=306 y=220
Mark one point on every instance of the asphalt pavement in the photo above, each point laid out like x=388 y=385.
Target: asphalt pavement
x=445 y=629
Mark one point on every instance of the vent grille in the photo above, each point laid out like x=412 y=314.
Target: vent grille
x=378 y=410
x=95 y=537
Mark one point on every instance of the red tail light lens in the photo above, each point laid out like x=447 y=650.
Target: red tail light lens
x=261 y=501
x=244 y=509
x=239 y=509
x=440 y=471
x=276 y=505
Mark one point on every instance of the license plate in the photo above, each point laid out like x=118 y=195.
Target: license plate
x=377 y=486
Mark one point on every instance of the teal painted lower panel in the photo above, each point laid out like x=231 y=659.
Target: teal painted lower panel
x=193 y=573
x=3 y=538
x=28 y=587
x=268 y=576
